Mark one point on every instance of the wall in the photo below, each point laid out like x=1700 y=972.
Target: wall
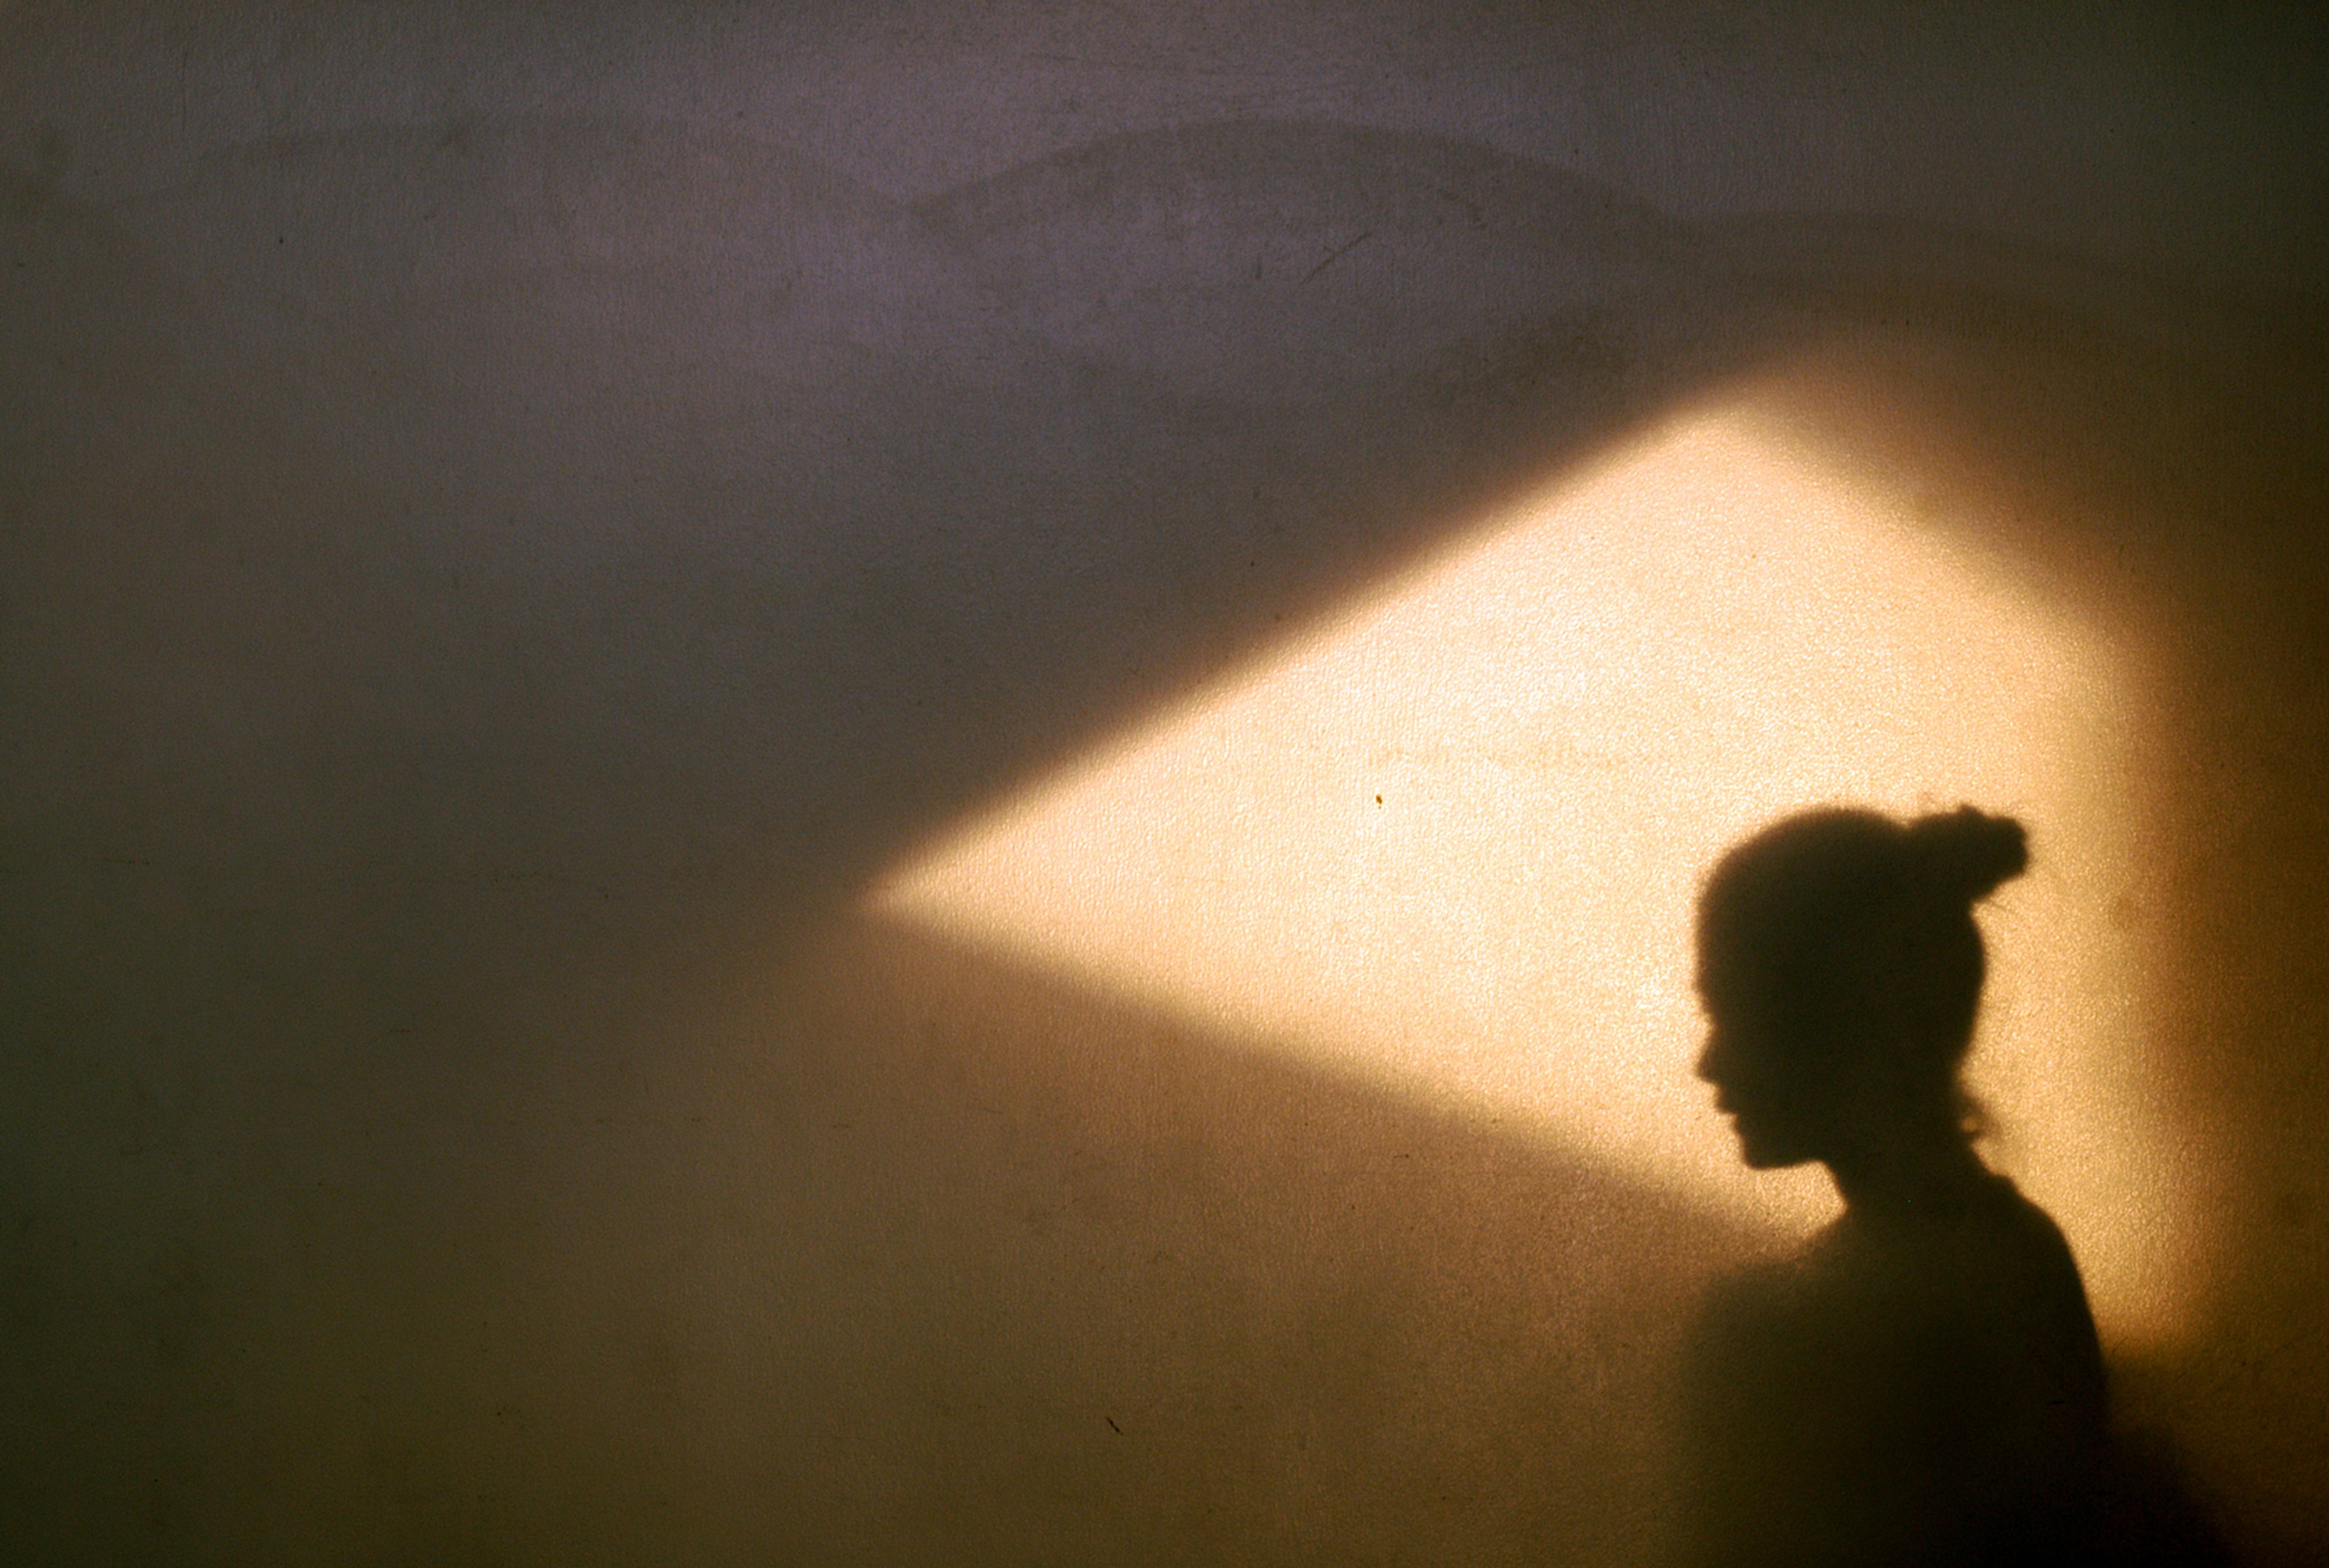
x=510 y=523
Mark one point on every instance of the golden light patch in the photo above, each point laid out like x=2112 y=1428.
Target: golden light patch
x=1449 y=841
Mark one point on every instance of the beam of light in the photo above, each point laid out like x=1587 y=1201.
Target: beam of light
x=1449 y=843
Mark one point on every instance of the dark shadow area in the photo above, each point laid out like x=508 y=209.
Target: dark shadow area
x=892 y=1253
x=608 y=515
x=897 y=1255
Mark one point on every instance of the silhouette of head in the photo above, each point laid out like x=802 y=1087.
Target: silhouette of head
x=1841 y=970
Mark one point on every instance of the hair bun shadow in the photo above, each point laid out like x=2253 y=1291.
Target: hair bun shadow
x=1967 y=853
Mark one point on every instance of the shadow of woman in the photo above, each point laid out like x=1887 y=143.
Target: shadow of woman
x=1922 y=1383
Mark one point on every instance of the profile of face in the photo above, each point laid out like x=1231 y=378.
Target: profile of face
x=1840 y=968
x=1805 y=1046
x=1783 y=1101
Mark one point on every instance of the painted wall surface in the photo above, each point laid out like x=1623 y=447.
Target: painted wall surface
x=511 y=527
